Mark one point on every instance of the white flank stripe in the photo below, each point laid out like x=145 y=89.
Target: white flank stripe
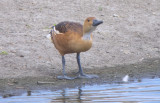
x=49 y=37
x=56 y=31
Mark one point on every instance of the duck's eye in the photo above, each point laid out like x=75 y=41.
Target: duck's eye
x=88 y=20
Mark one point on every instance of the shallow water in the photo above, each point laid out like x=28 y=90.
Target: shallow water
x=143 y=91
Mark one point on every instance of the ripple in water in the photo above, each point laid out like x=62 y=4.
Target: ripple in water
x=146 y=91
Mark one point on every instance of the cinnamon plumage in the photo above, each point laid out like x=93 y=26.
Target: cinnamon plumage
x=71 y=37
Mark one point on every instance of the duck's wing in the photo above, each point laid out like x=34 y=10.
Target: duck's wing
x=64 y=27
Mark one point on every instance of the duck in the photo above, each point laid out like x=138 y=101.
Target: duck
x=73 y=37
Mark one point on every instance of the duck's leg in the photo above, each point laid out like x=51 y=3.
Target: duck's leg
x=81 y=74
x=64 y=76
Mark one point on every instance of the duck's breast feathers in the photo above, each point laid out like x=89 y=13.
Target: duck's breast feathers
x=64 y=27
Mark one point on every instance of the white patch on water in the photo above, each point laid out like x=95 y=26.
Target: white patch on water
x=125 y=78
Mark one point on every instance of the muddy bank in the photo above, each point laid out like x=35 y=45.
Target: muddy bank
x=147 y=69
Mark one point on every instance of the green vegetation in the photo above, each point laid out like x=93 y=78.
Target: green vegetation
x=28 y=26
x=100 y=9
x=47 y=28
x=3 y=53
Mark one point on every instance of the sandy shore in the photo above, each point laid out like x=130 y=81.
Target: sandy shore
x=130 y=35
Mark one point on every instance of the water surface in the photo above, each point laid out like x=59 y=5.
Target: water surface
x=139 y=91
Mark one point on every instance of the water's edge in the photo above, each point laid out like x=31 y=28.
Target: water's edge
x=146 y=69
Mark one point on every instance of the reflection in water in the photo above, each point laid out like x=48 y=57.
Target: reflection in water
x=29 y=93
x=7 y=95
x=79 y=95
x=141 y=91
x=64 y=98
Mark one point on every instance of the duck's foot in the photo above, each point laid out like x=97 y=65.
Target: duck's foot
x=65 y=77
x=77 y=73
x=87 y=76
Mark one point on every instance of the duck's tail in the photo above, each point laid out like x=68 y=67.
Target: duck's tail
x=49 y=36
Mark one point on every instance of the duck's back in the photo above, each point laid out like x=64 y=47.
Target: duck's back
x=65 y=26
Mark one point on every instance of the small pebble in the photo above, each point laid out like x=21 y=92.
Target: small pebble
x=10 y=84
x=115 y=15
x=21 y=55
x=20 y=87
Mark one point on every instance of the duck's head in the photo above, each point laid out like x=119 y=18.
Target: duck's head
x=90 y=24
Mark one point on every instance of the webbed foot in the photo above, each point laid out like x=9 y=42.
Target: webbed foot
x=87 y=76
x=65 y=77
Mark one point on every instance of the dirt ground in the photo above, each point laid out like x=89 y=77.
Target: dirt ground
x=130 y=34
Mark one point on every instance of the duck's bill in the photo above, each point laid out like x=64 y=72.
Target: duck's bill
x=97 y=22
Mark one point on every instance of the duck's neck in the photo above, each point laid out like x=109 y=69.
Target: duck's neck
x=86 y=36
x=87 y=33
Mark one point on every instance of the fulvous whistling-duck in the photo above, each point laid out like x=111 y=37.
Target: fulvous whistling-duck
x=72 y=37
